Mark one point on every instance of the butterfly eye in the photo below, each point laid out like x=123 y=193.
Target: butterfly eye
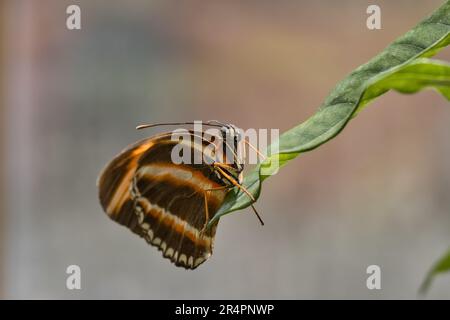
x=224 y=131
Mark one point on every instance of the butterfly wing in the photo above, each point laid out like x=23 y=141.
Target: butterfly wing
x=161 y=201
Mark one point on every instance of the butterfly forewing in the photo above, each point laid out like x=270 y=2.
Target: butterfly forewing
x=161 y=201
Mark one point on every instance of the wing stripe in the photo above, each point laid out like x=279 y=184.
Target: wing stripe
x=172 y=221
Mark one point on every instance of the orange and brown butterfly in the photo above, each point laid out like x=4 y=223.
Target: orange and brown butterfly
x=170 y=204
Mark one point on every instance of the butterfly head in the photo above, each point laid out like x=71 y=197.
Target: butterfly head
x=233 y=147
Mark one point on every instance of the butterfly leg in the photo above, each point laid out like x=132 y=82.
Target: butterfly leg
x=219 y=167
x=205 y=194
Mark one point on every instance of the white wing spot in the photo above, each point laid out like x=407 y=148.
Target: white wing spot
x=169 y=252
x=183 y=258
x=198 y=261
x=157 y=241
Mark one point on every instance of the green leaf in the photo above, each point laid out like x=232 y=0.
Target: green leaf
x=402 y=66
x=443 y=265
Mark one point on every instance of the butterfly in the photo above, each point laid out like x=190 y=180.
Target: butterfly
x=168 y=203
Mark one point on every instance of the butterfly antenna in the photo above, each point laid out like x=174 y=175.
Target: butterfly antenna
x=255 y=149
x=257 y=215
x=152 y=125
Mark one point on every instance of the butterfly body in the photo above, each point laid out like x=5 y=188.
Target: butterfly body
x=167 y=204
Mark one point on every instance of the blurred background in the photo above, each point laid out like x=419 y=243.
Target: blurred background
x=377 y=194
